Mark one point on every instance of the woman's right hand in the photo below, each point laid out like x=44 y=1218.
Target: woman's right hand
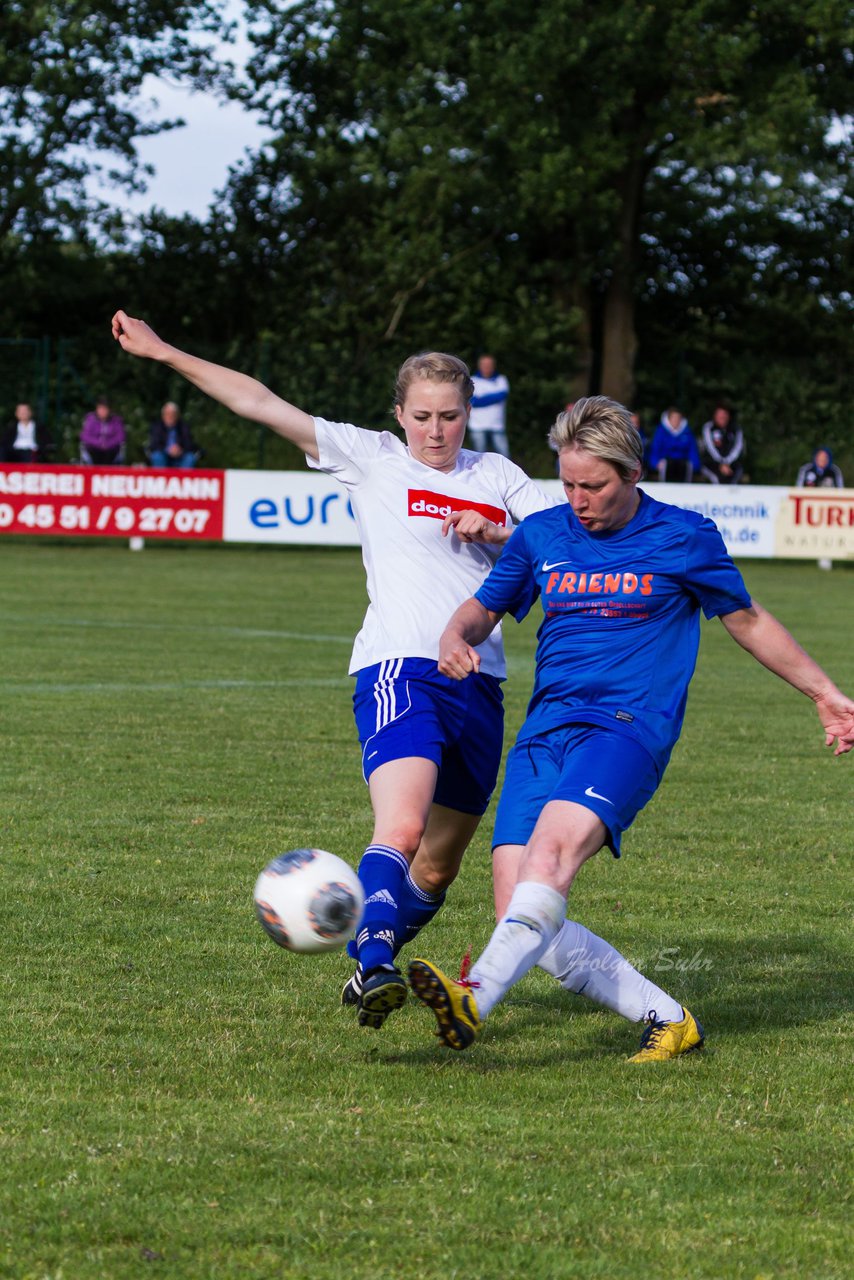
x=136 y=337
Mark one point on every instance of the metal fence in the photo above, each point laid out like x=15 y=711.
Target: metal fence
x=41 y=372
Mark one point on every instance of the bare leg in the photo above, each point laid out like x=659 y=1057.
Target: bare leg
x=402 y=796
x=445 y=840
x=565 y=836
x=506 y=860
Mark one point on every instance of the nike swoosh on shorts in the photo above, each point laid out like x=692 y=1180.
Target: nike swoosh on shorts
x=594 y=795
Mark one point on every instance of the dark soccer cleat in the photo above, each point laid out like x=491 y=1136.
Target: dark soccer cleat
x=664 y=1040
x=453 y=1003
x=351 y=992
x=383 y=991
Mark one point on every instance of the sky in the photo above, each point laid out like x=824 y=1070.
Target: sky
x=192 y=162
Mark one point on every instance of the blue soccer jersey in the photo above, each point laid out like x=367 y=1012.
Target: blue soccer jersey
x=619 y=638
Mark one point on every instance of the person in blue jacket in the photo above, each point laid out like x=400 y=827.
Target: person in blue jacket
x=673 y=454
x=170 y=442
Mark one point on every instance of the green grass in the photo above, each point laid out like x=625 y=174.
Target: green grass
x=180 y=1098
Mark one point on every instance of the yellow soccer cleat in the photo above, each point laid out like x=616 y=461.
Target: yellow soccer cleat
x=452 y=1002
x=664 y=1040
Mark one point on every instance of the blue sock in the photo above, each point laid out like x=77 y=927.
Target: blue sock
x=415 y=908
x=383 y=872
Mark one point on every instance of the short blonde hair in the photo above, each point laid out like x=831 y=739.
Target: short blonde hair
x=438 y=366
x=603 y=428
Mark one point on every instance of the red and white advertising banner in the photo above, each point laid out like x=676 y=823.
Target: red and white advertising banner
x=112 y=502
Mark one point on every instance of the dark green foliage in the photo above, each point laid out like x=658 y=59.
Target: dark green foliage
x=654 y=201
x=747 y=299
x=536 y=180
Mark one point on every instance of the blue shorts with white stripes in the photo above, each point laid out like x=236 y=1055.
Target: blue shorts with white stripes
x=404 y=707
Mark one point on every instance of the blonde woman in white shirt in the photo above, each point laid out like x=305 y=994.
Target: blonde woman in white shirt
x=432 y=518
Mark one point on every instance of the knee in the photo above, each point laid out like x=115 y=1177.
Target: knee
x=554 y=862
x=405 y=835
x=544 y=861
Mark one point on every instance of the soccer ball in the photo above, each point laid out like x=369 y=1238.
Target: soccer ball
x=309 y=900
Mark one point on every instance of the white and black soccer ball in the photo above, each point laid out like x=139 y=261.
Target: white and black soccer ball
x=309 y=900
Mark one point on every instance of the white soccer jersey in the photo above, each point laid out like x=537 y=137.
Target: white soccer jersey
x=416 y=578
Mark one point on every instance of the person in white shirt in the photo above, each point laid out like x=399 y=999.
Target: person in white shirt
x=432 y=518
x=488 y=413
x=24 y=439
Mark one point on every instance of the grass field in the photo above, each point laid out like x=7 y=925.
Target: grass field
x=180 y=1098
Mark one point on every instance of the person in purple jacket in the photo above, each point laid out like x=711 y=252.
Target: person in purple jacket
x=103 y=438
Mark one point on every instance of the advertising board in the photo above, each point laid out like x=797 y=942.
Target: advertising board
x=311 y=509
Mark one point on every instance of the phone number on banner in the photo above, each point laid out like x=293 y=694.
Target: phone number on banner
x=112 y=502
x=45 y=517
x=106 y=519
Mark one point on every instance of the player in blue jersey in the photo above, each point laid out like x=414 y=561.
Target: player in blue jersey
x=622 y=579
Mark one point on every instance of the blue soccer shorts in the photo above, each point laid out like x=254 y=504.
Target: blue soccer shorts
x=404 y=707
x=604 y=770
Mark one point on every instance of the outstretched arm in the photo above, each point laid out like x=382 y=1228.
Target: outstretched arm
x=469 y=626
x=237 y=391
x=759 y=632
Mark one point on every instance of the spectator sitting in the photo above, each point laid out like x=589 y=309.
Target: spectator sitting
x=24 y=439
x=487 y=427
x=102 y=440
x=722 y=446
x=821 y=473
x=673 y=454
x=169 y=441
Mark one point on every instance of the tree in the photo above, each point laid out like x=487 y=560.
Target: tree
x=72 y=109
x=427 y=149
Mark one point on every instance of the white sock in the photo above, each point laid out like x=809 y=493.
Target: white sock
x=590 y=966
x=532 y=919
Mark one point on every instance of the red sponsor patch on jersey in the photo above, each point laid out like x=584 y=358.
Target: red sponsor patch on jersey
x=422 y=502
